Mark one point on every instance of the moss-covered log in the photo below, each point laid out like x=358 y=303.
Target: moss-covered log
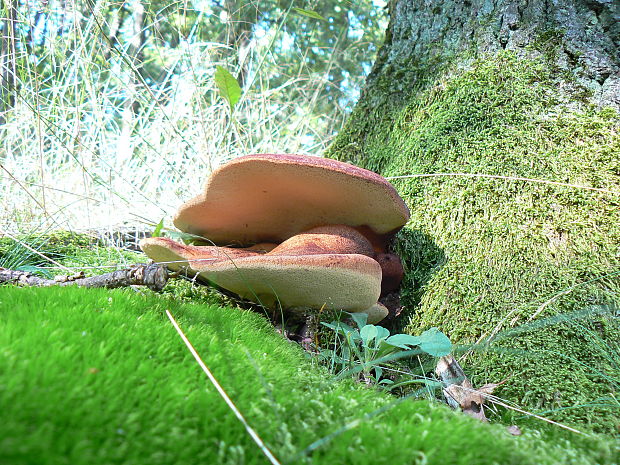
x=508 y=89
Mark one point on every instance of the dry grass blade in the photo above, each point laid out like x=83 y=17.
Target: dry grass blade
x=255 y=437
x=508 y=178
x=497 y=401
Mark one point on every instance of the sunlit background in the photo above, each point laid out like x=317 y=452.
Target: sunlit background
x=110 y=116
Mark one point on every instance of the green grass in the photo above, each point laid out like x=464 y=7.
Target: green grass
x=94 y=376
x=485 y=255
x=49 y=252
x=46 y=254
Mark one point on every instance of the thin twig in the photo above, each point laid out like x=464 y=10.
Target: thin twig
x=154 y=276
x=498 y=401
x=222 y=393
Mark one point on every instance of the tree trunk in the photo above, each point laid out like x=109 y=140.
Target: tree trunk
x=135 y=56
x=585 y=36
x=492 y=118
x=131 y=105
x=8 y=65
x=116 y=25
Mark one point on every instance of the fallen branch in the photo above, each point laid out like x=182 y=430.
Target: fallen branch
x=154 y=276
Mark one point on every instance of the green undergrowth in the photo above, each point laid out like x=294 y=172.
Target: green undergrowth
x=66 y=252
x=486 y=255
x=90 y=376
x=63 y=252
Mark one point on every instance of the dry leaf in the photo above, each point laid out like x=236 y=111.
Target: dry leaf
x=459 y=391
x=514 y=430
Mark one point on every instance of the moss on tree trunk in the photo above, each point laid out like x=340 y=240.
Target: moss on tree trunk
x=516 y=90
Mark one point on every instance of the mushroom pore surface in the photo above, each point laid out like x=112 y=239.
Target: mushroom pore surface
x=351 y=282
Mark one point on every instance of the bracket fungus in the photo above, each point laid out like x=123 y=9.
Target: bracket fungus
x=269 y=198
x=310 y=233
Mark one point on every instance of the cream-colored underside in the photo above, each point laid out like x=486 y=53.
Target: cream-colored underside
x=349 y=282
x=353 y=285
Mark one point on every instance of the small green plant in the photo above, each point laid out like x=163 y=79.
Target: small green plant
x=364 y=351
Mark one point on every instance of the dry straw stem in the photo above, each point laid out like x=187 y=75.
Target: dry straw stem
x=255 y=437
x=498 y=401
x=508 y=178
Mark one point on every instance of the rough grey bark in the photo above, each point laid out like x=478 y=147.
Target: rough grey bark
x=422 y=34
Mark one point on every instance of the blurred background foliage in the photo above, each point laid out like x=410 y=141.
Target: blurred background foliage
x=109 y=113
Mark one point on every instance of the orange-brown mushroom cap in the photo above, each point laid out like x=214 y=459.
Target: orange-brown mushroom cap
x=332 y=239
x=177 y=255
x=271 y=198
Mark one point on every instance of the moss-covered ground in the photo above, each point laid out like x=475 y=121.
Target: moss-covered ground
x=92 y=376
x=64 y=252
x=61 y=252
x=486 y=255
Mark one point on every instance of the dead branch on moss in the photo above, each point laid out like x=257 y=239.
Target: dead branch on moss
x=154 y=276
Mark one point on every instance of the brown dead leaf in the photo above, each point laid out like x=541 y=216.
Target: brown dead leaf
x=514 y=430
x=460 y=392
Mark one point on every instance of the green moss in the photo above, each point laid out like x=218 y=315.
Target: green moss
x=549 y=43
x=90 y=376
x=487 y=254
x=185 y=289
